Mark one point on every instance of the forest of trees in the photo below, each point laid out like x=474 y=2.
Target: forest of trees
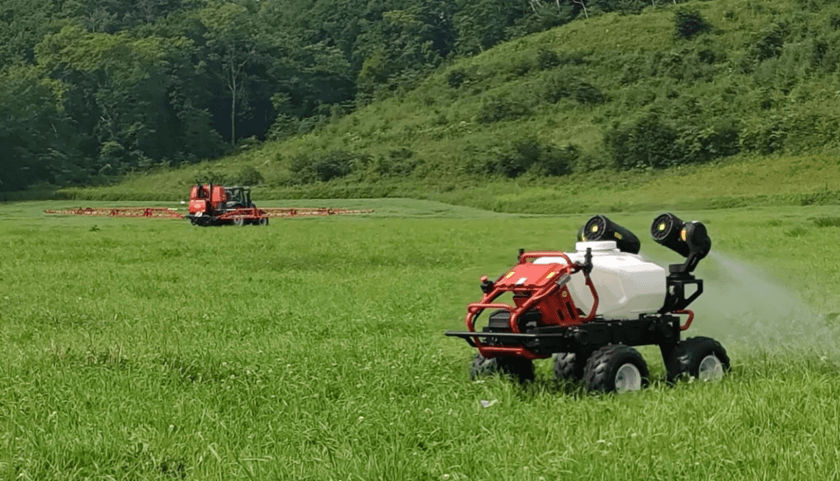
x=93 y=89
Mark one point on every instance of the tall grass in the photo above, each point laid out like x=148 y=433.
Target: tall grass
x=314 y=349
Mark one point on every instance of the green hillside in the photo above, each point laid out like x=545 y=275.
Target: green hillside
x=709 y=103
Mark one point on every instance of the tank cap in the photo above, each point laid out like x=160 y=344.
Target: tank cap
x=596 y=246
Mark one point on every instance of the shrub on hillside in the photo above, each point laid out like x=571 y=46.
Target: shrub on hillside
x=586 y=93
x=689 y=22
x=654 y=142
x=701 y=143
x=528 y=154
x=247 y=175
x=308 y=168
x=765 y=137
x=456 y=77
x=497 y=109
x=648 y=142
x=396 y=163
x=208 y=175
x=560 y=85
x=547 y=59
x=769 y=42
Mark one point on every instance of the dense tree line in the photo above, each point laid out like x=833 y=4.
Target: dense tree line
x=96 y=88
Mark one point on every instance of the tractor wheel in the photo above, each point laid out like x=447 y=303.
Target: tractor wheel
x=615 y=368
x=568 y=366
x=239 y=221
x=520 y=368
x=263 y=221
x=702 y=358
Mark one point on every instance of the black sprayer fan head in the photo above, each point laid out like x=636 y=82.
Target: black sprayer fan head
x=666 y=230
x=688 y=239
x=599 y=228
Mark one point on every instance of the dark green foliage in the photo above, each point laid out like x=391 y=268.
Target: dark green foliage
x=324 y=166
x=621 y=6
x=769 y=42
x=648 y=142
x=689 y=22
x=396 y=163
x=767 y=137
x=528 y=154
x=456 y=77
x=163 y=82
x=561 y=84
x=209 y=175
x=497 y=109
x=123 y=87
x=699 y=143
x=588 y=94
x=547 y=59
x=827 y=221
x=248 y=175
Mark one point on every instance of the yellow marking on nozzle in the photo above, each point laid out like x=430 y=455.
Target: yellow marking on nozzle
x=618 y=236
x=683 y=234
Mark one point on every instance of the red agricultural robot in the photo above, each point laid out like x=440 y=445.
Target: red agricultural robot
x=589 y=308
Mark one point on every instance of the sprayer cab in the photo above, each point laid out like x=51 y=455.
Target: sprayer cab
x=591 y=306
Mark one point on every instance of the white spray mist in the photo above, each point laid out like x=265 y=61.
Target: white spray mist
x=745 y=306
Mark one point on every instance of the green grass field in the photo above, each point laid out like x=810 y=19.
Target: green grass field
x=314 y=349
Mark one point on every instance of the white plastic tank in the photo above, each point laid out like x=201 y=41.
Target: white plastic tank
x=627 y=285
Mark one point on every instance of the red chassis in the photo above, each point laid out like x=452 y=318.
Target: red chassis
x=542 y=287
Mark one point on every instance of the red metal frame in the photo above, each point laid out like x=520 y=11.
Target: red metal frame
x=544 y=293
x=251 y=213
x=690 y=319
x=156 y=212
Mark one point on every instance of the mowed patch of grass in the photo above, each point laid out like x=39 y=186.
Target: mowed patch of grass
x=314 y=349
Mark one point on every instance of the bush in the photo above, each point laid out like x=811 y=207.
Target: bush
x=769 y=43
x=556 y=161
x=558 y=86
x=397 y=163
x=699 y=143
x=688 y=22
x=497 y=109
x=323 y=167
x=247 y=175
x=547 y=59
x=588 y=94
x=529 y=154
x=562 y=85
x=456 y=77
x=767 y=137
x=648 y=142
x=208 y=175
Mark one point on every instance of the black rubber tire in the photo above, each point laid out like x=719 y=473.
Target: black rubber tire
x=568 y=367
x=519 y=368
x=263 y=221
x=602 y=367
x=685 y=359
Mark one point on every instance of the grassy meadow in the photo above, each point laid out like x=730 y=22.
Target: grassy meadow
x=314 y=349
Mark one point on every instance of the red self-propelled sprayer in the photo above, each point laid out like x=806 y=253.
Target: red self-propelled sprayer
x=590 y=307
x=213 y=204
